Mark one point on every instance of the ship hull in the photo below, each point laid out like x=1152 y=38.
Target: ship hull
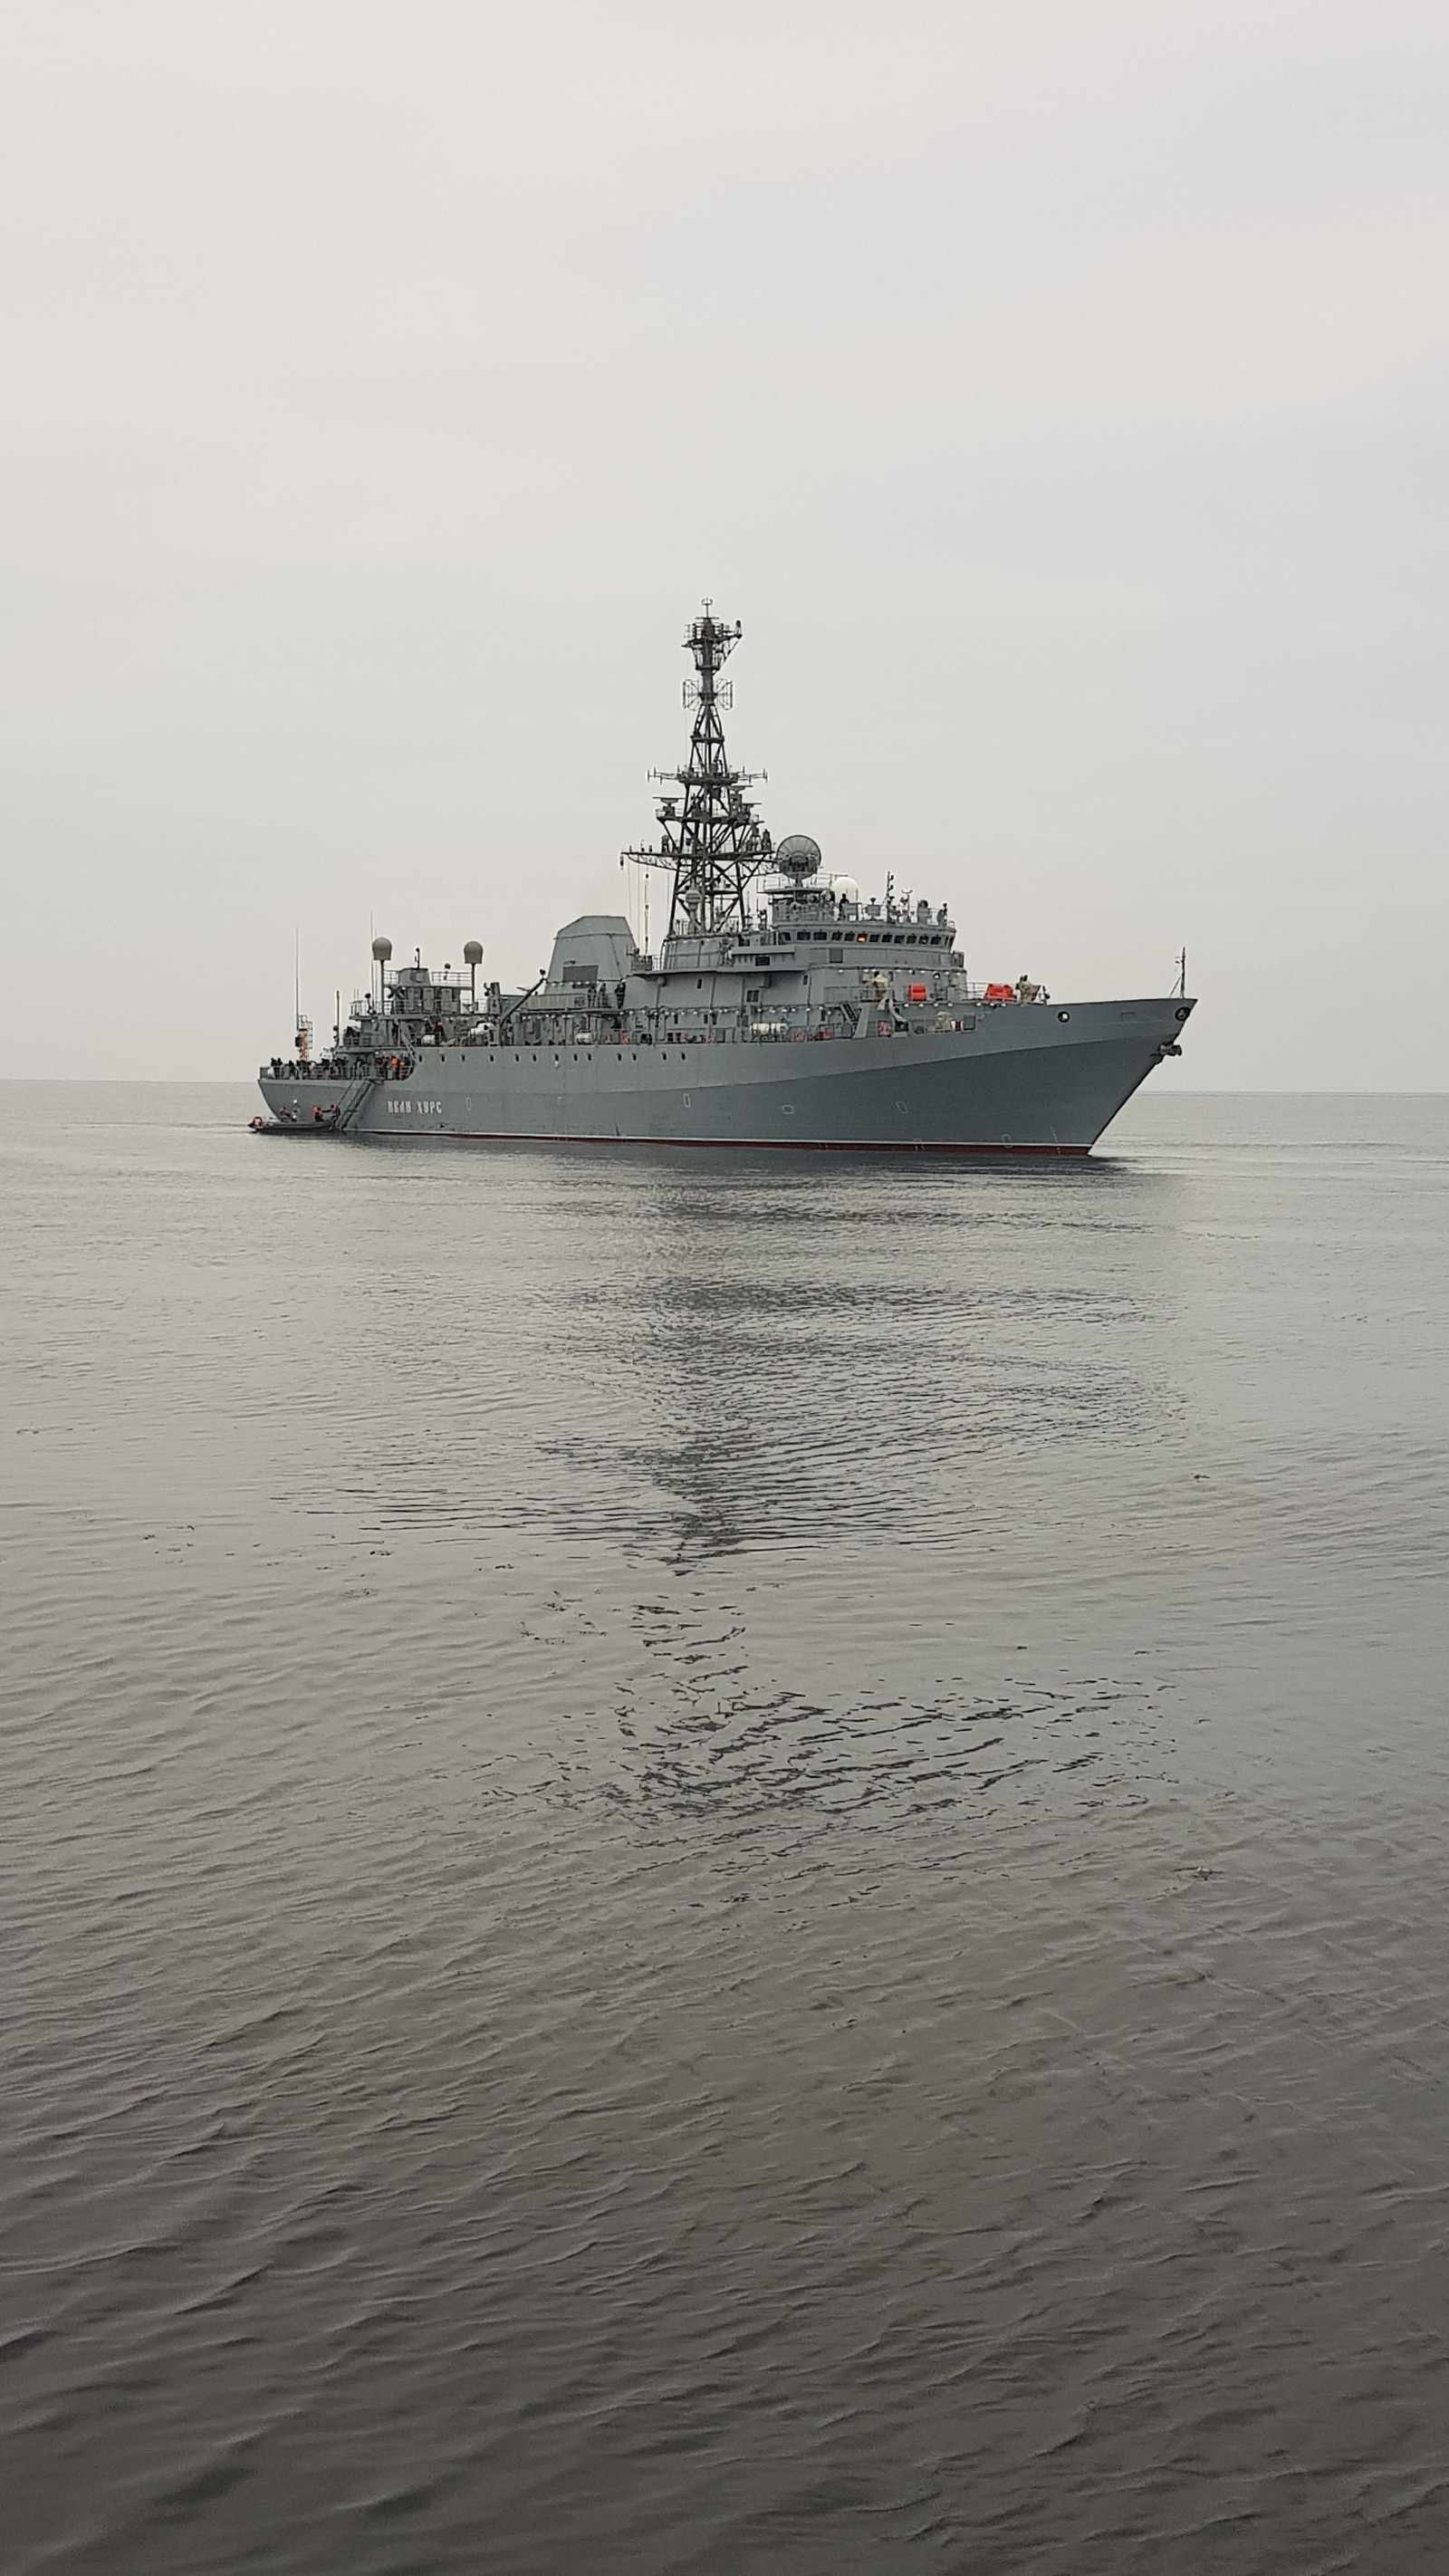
x=1028 y=1079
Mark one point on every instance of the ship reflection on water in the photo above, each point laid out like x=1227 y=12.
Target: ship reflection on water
x=798 y=1443
x=872 y=1394
x=765 y=1356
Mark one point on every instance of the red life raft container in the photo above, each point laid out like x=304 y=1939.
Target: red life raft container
x=999 y=993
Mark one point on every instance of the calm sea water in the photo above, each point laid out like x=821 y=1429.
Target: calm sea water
x=724 y=1865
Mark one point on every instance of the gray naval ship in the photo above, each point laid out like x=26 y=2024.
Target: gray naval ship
x=782 y=1009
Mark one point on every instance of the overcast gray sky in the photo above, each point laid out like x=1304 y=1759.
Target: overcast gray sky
x=1055 y=388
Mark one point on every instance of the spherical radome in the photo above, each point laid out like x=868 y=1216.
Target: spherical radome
x=382 y=950
x=472 y=952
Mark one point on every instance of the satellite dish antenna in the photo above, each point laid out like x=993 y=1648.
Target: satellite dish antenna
x=797 y=856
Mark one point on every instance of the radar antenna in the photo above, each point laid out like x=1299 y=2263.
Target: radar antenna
x=710 y=835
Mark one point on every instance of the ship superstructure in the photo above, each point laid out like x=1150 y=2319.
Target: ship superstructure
x=782 y=1009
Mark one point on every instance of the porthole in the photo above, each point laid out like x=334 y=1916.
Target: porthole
x=1064 y=1015
x=1182 y=1013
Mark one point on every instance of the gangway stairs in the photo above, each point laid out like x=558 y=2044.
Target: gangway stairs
x=352 y=1100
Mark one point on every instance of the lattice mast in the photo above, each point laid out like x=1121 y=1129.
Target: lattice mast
x=710 y=835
